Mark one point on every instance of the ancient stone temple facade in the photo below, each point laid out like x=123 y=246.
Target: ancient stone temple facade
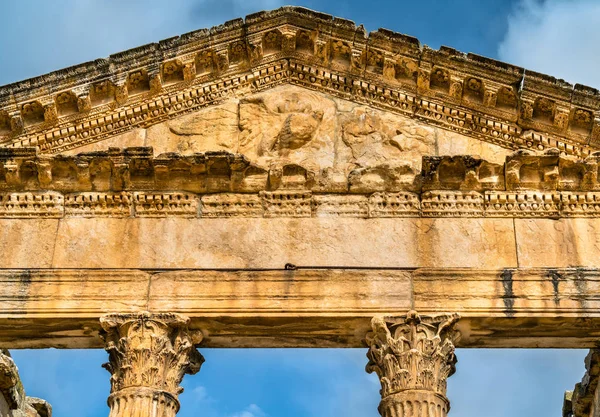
x=288 y=180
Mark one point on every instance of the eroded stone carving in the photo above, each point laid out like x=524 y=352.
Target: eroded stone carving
x=232 y=205
x=413 y=356
x=149 y=353
x=452 y=204
x=92 y=204
x=13 y=401
x=584 y=400
x=31 y=204
x=293 y=125
x=162 y=204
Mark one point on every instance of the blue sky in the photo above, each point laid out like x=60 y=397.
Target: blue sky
x=312 y=382
x=558 y=37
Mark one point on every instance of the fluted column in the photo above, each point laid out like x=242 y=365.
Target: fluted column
x=413 y=356
x=148 y=357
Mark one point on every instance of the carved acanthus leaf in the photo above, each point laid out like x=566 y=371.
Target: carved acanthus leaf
x=412 y=352
x=149 y=350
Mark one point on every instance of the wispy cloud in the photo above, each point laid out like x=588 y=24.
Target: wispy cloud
x=556 y=37
x=252 y=410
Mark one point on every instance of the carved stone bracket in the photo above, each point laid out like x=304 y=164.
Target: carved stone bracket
x=148 y=356
x=413 y=356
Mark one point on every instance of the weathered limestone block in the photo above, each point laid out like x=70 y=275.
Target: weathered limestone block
x=465 y=172
x=177 y=242
x=413 y=356
x=526 y=170
x=567 y=242
x=13 y=401
x=148 y=356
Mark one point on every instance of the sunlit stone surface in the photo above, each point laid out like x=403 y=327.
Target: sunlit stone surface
x=280 y=181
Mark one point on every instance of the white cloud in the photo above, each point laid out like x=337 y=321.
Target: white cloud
x=555 y=37
x=199 y=393
x=252 y=410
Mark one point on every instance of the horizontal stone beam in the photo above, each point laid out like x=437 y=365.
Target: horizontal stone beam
x=303 y=307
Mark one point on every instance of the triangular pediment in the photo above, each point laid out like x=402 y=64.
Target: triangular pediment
x=187 y=91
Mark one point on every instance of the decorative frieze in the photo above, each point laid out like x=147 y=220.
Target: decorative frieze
x=287 y=203
x=137 y=169
x=149 y=354
x=452 y=204
x=31 y=204
x=132 y=182
x=268 y=204
x=403 y=204
x=522 y=204
x=413 y=356
x=340 y=205
x=584 y=204
x=232 y=205
x=148 y=204
x=93 y=204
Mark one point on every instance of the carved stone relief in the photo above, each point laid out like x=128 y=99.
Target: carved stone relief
x=322 y=134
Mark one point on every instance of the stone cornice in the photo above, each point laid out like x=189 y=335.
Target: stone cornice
x=472 y=95
x=132 y=182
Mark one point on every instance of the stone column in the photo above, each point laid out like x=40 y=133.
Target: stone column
x=413 y=356
x=148 y=357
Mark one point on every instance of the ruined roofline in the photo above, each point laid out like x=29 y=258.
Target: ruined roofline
x=103 y=68
x=476 y=96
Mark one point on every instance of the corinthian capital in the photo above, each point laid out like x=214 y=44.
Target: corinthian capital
x=413 y=356
x=148 y=356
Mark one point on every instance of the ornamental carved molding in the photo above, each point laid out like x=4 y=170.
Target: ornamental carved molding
x=149 y=354
x=413 y=356
x=478 y=97
x=132 y=182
